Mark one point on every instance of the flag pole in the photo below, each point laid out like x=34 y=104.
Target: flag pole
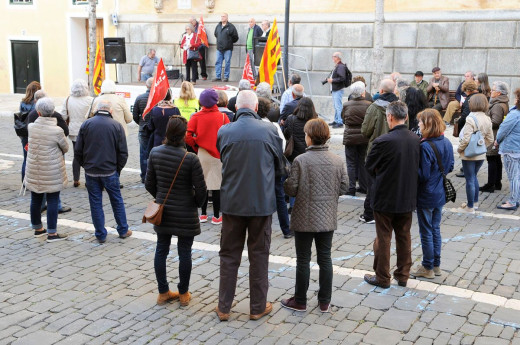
x=285 y=61
x=283 y=73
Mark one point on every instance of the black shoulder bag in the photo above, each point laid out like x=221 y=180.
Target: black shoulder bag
x=451 y=193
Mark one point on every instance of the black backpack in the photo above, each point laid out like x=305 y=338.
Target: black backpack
x=20 y=124
x=348 y=76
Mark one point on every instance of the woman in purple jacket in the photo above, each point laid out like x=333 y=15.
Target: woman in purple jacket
x=430 y=193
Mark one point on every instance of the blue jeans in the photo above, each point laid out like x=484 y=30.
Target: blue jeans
x=143 y=153
x=44 y=202
x=226 y=55
x=161 y=253
x=337 y=97
x=281 y=206
x=430 y=230
x=95 y=187
x=512 y=166
x=471 y=169
x=145 y=77
x=52 y=211
x=24 y=141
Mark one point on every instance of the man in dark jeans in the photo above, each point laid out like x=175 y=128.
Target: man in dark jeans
x=393 y=162
x=101 y=150
x=247 y=208
x=144 y=132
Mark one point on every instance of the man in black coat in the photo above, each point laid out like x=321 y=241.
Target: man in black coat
x=337 y=81
x=393 y=162
x=101 y=150
x=297 y=94
x=144 y=124
x=248 y=202
x=226 y=35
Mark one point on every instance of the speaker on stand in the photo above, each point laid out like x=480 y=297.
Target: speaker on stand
x=115 y=51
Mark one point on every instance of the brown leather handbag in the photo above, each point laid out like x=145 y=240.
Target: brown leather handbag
x=154 y=211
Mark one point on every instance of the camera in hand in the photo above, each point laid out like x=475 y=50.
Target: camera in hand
x=323 y=82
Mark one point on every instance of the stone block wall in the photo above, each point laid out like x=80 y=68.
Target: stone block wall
x=486 y=42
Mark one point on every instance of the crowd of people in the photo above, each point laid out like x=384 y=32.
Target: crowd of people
x=196 y=151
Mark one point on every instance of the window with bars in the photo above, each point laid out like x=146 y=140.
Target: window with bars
x=21 y=2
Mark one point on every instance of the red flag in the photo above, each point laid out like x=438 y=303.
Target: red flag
x=201 y=32
x=248 y=72
x=159 y=88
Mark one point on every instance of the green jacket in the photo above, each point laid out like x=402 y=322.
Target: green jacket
x=375 y=123
x=421 y=86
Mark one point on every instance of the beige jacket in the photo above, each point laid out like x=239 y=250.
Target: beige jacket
x=120 y=110
x=484 y=125
x=75 y=108
x=45 y=171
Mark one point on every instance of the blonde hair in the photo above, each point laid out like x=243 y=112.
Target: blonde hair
x=433 y=124
x=187 y=92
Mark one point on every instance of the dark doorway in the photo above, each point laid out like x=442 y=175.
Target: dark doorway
x=26 y=67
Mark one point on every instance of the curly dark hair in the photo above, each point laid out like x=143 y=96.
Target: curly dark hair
x=416 y=102
x=517 y=94
x=264 y=106
x=176 y=131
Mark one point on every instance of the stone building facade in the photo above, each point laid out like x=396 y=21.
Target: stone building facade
x=481 y=41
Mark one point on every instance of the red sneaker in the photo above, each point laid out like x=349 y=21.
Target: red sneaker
x=216 y=221
x=203 y=218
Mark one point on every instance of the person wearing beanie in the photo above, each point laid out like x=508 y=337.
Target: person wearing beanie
x=202 y=137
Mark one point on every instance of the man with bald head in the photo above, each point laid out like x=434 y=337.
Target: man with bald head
x=226 y=34
x=101 y=150
x=375 y=125
x=297 y=94
x=252 y=158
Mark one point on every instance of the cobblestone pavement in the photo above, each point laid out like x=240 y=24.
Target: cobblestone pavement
x=78 y=291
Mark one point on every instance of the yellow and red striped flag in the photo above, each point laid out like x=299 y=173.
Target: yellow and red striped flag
x=99 y=71
x=271 y=56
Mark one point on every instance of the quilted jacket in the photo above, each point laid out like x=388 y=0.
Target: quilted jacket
x=498 y=109
x=353 y=114
x=45 y=171
x=180 y=217
x=318 y=177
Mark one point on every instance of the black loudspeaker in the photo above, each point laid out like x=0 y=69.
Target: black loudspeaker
x=115 y=50
x=173 y=74
x=259 y=45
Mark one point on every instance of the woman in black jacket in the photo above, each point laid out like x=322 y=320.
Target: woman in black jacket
x=304 y=112
x=180 y=216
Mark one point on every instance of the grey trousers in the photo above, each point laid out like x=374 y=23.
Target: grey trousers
x=232 y=239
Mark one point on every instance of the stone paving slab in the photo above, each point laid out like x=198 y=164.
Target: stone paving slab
x=78 y=291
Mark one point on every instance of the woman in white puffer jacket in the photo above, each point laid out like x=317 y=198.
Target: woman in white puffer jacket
x=45 y=171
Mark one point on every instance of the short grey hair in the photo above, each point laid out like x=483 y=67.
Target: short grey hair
x=39 y=94
x=357 y=89
x=295 y=79
x=247 y=99
x=263 y=90
x=398 y=110
x=45 y=107
x=104 y=106
x=190 y=26
x=338 y=55
x=501 y=87
x=149 y=82
x=108 y=86
x=387 y=85
x=151 y=50
x=267 y=22
x=402 y=83
x=79 y=88
x=244 y=84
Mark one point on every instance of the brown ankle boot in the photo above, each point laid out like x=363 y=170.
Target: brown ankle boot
x=185 y=298
x=169 y=296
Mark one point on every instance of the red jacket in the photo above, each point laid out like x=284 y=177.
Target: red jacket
x=195 y=44
x=203 y=128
